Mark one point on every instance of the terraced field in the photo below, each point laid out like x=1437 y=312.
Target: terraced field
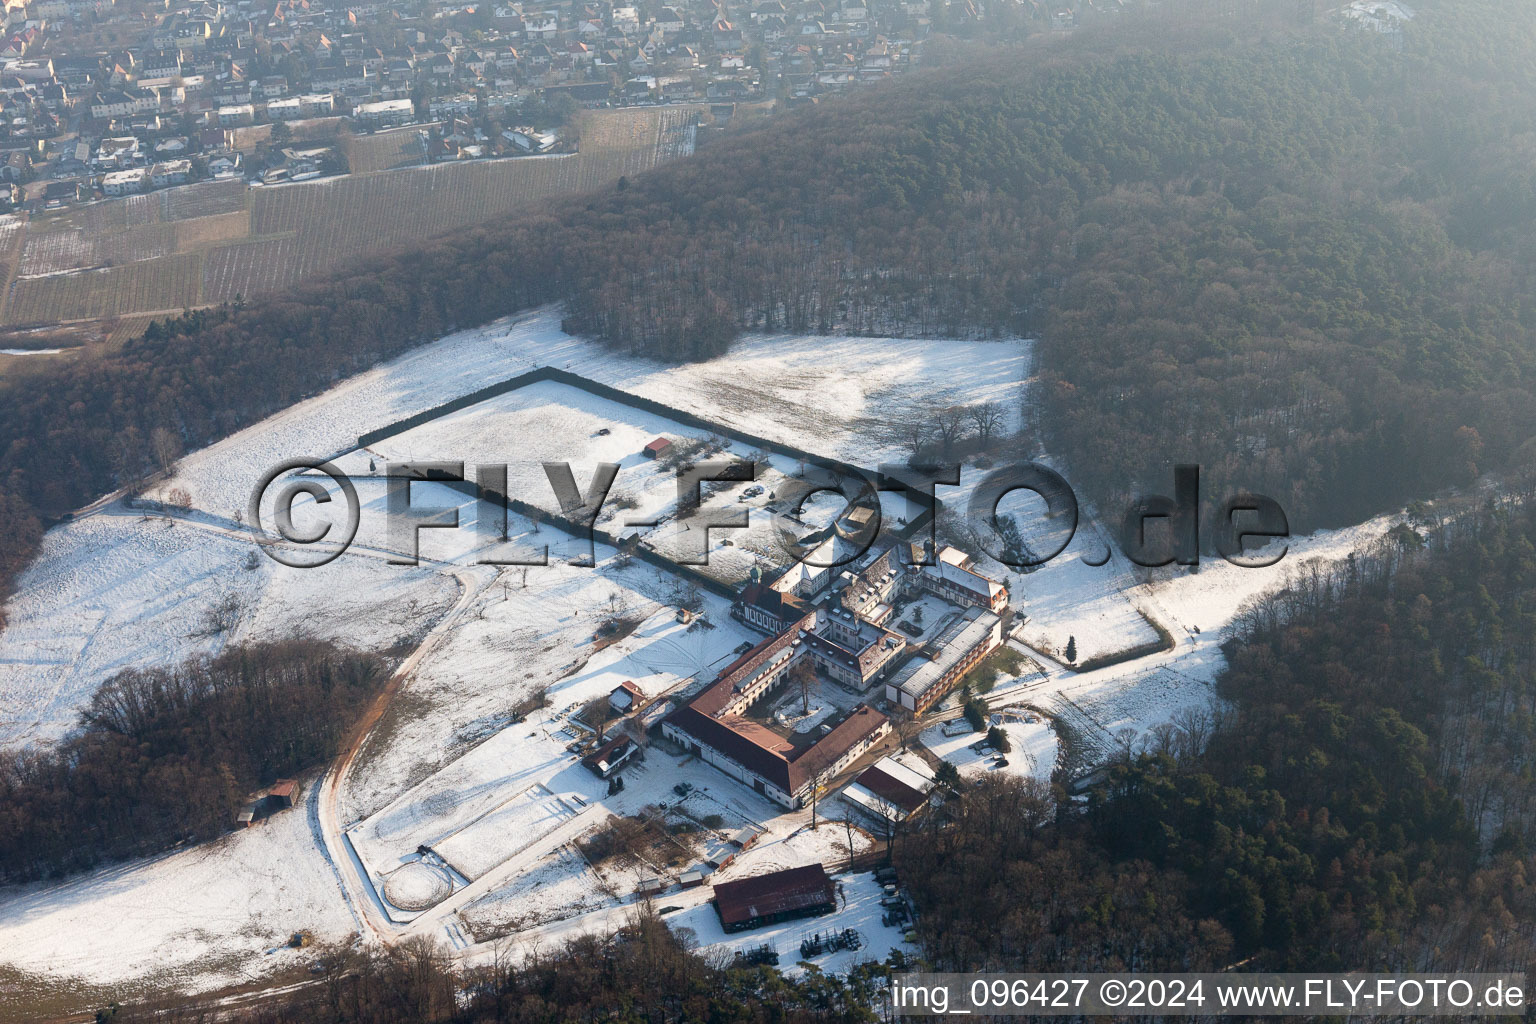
x=208 y=243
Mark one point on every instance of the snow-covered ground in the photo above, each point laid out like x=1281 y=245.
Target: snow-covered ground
x=108 y=591
x=859 y=908
x=1033 y=754
x=554 y=422
x=213 y=915
x=451 y=766
x=117 y=590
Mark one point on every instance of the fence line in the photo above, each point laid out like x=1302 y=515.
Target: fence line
x=549 y=373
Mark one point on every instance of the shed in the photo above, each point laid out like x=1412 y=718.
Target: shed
x=718 y=855
x=692 y=878
x=744 y=838
x=890 y=790
x=651 y=886
x=625 y=697
x=657 y=448
x=282 y=793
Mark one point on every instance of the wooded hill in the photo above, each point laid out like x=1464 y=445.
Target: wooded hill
x=1363 y=801
x=168 y=755
x=1298 y=257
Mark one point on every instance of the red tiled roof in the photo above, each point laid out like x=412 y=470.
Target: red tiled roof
x=769 y=600
x=768 y=755
x=741 y=745
x=859 y=725
x=781 y=892
x=719 y=693
x=608 y=753
x=893 y=790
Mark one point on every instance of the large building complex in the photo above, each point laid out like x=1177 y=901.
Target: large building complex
x=846 y=641
x=716 y=726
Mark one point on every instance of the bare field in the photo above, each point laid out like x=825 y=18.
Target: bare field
x=13 y=235
x=202 y=232
x=383 y=151
x=126 y=328
x=204 y=199
x=207 y=243
x=169 y=284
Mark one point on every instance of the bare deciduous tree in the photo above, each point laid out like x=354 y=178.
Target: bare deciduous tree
x=915 y=432
x=1195 y=728
x=127 y=457
x=803 y=677
x=818 y=780
x=987 y=418
x=166 y=447
x=950 y=423
x=223 y=616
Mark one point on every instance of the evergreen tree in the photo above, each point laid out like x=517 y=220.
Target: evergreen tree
x=976 y=713
x=999 y=739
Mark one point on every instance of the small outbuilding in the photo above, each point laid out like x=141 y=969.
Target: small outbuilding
x=657 y=448
x=282 y=794
x=279 y=796
x=890 y=790
x=625 y=697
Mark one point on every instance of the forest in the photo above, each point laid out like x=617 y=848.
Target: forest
x=1296 y=256
x=169 y=755
x=1363 y=801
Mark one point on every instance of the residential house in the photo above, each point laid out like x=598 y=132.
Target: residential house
x=121 y=103
x=124 y=183
x=236 y=115
x=170 y=172
x=117 y=153
x=385 y=113
x=530 y=140
x=62 y=193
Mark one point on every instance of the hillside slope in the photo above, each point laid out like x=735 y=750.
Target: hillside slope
x=1298 y=258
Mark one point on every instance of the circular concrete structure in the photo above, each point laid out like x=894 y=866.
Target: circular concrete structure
x=417 y=886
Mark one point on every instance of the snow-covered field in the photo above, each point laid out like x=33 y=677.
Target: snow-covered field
x=561 y=884
x=109 y=591
x=116 y=590
x=451 y=766
x=1033 y=754
x=213 y=915
x=554 y=422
